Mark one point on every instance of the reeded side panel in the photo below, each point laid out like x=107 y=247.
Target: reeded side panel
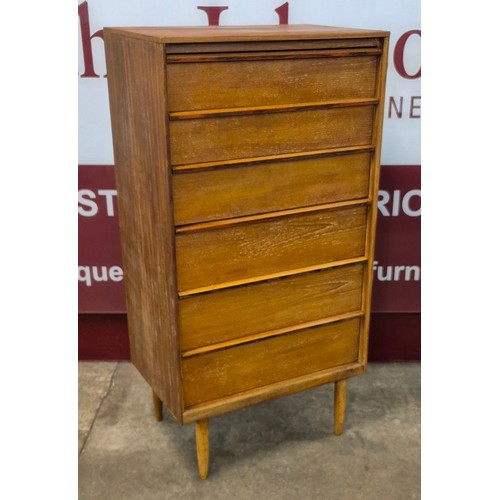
x=136 y=76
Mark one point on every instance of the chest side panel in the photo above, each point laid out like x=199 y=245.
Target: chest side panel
x=136 y=73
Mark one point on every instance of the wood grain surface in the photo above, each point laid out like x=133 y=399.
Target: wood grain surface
x=238 y=190
x=272 y=391
x=221 y=373
x=202 y=447
x=339 y=406
x=137 y=100
x=263 y=247
x=237 y=312
x=209 y=85
x=268 y=46
x=197 y=49
x=213 y=139
x=207 y=34
x=378 y=121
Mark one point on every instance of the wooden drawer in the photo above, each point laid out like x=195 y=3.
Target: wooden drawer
x=240 y=190
x=232 y=80
x=262 y=247
x=237 y=312
x=217 y=374
x=224 y=137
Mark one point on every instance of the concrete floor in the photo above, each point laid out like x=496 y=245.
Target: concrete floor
x=281 y=449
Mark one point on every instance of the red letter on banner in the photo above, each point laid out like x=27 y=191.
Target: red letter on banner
x=213 y=14
x=399 y=50
x=88 y=61
x=282 y=12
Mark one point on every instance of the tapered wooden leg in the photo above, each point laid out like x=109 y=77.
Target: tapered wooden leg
x=339 y=406
x=158 y=407
x=202 y=449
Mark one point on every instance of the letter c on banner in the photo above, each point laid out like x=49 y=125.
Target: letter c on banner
x=399 y=51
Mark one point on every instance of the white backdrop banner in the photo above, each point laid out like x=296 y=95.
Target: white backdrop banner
x=401 y=140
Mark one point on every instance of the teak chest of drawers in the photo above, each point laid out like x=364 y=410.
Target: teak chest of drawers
x=247 y=165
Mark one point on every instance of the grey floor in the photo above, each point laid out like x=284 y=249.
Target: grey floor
x=281 y=449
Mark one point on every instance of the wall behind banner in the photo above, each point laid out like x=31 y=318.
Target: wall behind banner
x=396 y=297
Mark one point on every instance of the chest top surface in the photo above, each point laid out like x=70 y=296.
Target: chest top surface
x=202 y=34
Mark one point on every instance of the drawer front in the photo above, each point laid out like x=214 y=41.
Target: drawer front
x=240 y=83
x=210 y=194
x=221 y=373
x=241 y=251
x=237 y=312
x=207 y=139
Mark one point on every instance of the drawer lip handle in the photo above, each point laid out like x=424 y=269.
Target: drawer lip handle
x=271 y=55
x=227 y=344
x=270 y=158
x=276 y=108
x=282 y=274
x=262 y=393
x=223 y=223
